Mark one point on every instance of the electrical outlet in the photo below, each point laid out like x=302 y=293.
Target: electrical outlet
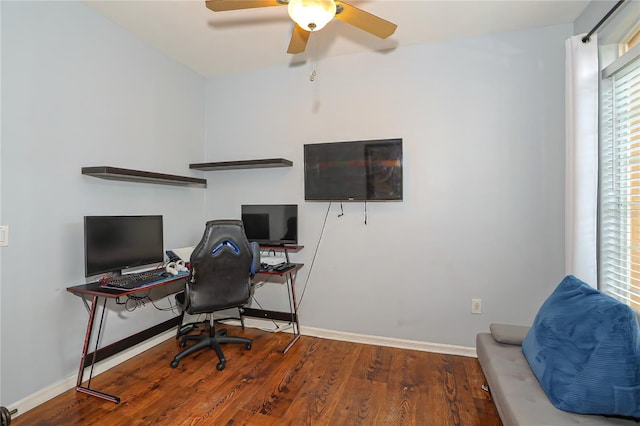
x=4 y=236
x=476 y=306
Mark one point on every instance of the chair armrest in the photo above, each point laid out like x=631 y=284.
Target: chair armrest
x=255 y=259
x=509 y=334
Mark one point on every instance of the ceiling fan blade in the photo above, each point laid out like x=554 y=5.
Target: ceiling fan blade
x=299 y=39
x=224 y=5
x=365 y=20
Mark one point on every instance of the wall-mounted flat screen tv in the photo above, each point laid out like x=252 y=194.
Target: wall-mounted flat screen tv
x=353 y=171
x=271 y=224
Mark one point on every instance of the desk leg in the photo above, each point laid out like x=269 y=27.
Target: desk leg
x=87 y=337
x=293 y=308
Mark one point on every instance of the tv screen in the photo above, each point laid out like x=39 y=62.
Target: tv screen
x=115 y=243
x=353 y=171
x=271 y=224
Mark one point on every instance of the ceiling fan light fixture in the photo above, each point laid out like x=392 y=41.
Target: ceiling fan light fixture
x=312 y=15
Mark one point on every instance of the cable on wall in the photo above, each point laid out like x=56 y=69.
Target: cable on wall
x=315 y=253
x=365 y=212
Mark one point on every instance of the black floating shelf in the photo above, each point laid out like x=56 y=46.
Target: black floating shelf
x=244 y=164
x=115 y=173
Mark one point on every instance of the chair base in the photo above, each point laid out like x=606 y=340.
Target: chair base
x=187 y=328
x=212 y=341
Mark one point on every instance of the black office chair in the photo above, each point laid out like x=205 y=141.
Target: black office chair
x=222 y=268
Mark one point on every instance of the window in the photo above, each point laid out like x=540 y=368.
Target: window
x=633 y=41
x=619 y=230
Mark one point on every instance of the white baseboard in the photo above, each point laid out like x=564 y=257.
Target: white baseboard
x=389 y=341
x=439 y=348
x=64 y=385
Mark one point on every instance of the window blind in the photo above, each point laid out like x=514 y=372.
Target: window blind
x=619 y=225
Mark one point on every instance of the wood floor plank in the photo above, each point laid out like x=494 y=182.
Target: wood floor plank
x=358 y=403
x=426 y=397
x=476 y=380
x=314 y=404
x=281 y=384
x=405 y=386
x=317 y=382
x=374 y=364
x=464 y=399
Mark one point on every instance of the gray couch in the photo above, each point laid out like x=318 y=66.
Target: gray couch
x=515 y=390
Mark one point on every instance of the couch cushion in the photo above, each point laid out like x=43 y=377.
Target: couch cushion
x=584 y=348
x=517 y=394
x=508 y=334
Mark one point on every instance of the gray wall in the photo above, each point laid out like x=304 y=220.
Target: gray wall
x=483 y=211
x=483 y=127
x=79 y=91
x=1 y=221
x=1 y=399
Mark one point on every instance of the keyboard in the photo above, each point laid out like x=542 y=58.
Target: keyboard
x=129 y=281
x=282 y=267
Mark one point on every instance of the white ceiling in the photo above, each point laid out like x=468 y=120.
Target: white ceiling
x=218 y=43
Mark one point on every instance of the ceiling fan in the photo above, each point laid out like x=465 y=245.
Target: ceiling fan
x=313 y=15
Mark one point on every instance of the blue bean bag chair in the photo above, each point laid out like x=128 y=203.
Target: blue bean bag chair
x=584 y=348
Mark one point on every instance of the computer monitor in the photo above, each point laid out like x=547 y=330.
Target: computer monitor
x=115 y=243
x=271 y=224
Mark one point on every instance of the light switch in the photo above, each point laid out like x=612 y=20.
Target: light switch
x=4 y=236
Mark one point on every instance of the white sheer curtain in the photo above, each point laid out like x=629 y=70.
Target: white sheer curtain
x=581 y=180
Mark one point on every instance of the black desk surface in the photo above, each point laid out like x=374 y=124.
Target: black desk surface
x=96 y=289
x=294 y=268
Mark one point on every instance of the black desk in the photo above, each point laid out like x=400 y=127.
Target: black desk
x=292 y=315
x=96 y=292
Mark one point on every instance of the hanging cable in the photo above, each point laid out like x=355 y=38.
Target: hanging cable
x=341 y=210
x=365 y=212
x=313 y=260
x=587 y=38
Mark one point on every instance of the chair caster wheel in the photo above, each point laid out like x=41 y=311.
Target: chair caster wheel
x=247 y=346
x=5 y=416
x=174 y=363
x=183 y=343
x=185 y=330
x=220 y=366
x=222 y=332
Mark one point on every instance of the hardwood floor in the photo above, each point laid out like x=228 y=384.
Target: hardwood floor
x=318 y=382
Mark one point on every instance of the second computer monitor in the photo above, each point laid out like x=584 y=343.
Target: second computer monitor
x=271 y=224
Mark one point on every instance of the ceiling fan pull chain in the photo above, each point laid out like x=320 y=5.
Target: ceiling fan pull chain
x=314 y=73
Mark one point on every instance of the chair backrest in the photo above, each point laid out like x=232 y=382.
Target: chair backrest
x=222 y=267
